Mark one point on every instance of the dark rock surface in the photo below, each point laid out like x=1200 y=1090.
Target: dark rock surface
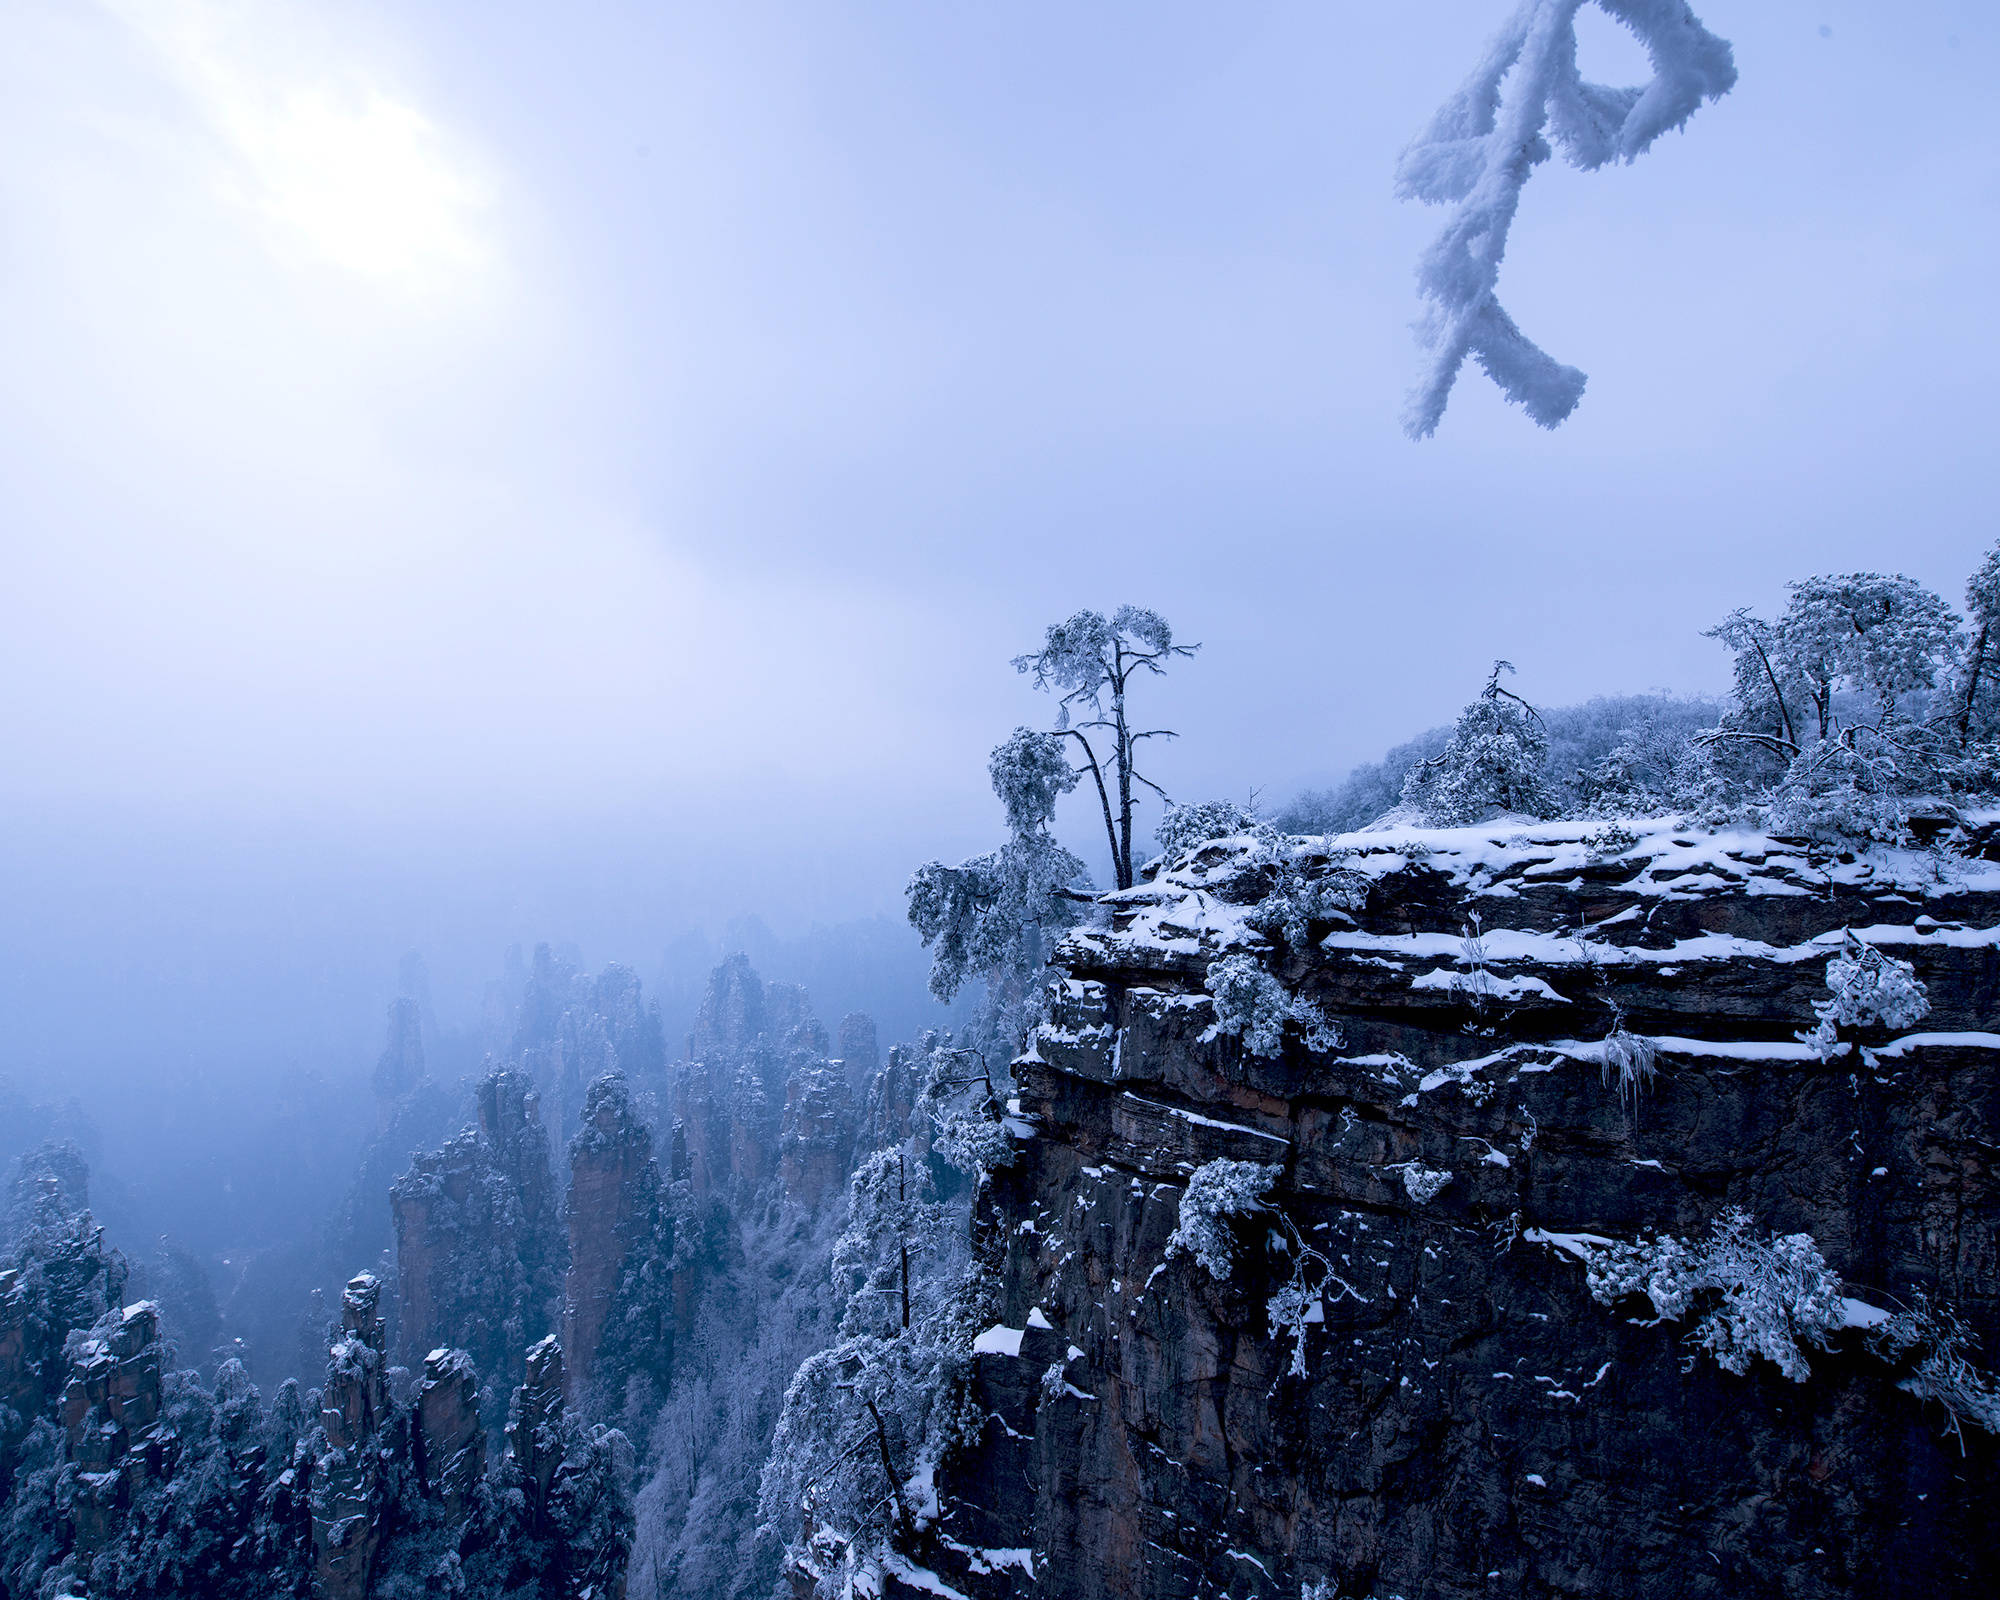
x=479 y=1244
x=618 y=1293
x=1470 y=1421
x=110 y=1417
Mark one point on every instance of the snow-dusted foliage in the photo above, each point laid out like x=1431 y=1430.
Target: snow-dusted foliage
x=1493 y=762
x=1858 y=698
x=1181 y=828
x=963 y=1104
x=1296 y=900
x=1525 y=100
x=867 y=1420
x=1975 y=688
x=1880 y=637
x=896 y=1231
x=997 y=917
x=1424 y=1184
x=1217 y=1191
x=1865 y=988
x=1653 y=731
x=1249 y=1002
x=1933 y=1343
x=1753 y=1295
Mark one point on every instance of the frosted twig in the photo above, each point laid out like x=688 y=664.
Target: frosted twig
x=1478 y=153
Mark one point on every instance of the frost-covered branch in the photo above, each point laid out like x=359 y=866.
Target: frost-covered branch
x=1756 y=1296
x=1479 y=152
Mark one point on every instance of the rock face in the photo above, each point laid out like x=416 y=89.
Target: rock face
x=1570 y=1032
x=534 y=1430
x=450 y=1443
x=761 y=1105
x=65 y=1278
x=618 y=1294
x=110 y=1417
x=816 y=1144
x=479 y=1246
x=860 y=1052
x=347 y=1490
x=892 y=1100
x=400 y=1068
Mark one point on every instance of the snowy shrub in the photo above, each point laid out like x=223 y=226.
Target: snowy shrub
x=1866 y=987
x=1606 y=843
x=1181 y=828
x=1292 y=1309
x=1856 y=785
x=1251 y=1003
x=997 y=917
x=1933 y=1340
x=1494 y=761
x=1295 y=902
x=963 y=1106
x=1423 y=1184
x=1220 y=1190
x=1756 y=1296
x=1524 y=101
x=1215 y=1191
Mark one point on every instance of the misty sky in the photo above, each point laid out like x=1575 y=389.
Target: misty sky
x=492 y=472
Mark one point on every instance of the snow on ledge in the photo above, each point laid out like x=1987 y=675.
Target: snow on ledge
x=999 y=1340
x=1940 y=1041
x=1576 y=1244
x=921 y=1578
x=1199 y=1120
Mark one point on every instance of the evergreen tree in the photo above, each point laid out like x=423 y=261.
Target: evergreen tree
x=1493 y=762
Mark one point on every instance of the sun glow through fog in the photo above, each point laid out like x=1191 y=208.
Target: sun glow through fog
x=332 y=162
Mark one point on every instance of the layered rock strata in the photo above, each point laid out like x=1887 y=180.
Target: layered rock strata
x=1551 y=1038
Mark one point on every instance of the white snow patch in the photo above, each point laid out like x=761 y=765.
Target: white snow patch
x=998 y=1340
x=1200 y=1120
x=1576 y=1244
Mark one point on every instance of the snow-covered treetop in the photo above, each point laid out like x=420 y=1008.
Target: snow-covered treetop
x=1030 y=772
x=1493 y=762
x=1090 y=652
x=1485 y=141
x=1880 y=635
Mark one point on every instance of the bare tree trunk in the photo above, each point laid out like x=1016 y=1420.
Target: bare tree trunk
x=1121 y=864
x=888 y=1466
x=1972 y=683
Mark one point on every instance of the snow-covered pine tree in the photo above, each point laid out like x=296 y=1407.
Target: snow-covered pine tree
x=1833 y=715
x=1090 y=664
x=1525 y=100
x=1493 y=762
x=997 y=917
